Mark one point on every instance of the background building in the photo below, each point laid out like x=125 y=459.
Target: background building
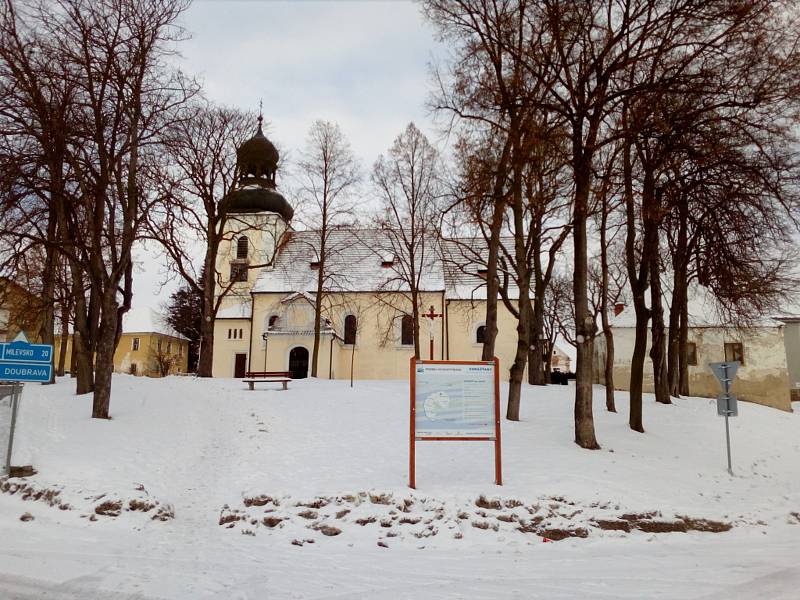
x=763 y=349
x=148 y=346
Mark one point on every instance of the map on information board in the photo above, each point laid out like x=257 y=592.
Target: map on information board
x=455 y=400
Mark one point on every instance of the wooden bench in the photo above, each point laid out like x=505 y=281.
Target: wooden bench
x=253 y=377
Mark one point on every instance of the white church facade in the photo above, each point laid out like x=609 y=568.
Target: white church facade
x=267 y=279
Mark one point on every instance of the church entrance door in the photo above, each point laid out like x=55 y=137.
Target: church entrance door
x=240 y=366
x=298 y=362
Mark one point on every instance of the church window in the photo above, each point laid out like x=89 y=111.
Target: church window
x=135 y=344
x=350 y=325
x=241 y=335
x=407 y=331
x=241 y=248
x=480 y=335
x=238 y=272
x=273 y=321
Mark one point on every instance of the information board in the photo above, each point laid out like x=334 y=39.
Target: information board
x=454 y=401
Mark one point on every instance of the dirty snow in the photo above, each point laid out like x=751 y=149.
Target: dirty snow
x=203 y=489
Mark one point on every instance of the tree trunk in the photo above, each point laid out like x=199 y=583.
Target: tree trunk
x=104 y=367
x=637 y=366
x=638 y=279
x=520 y=358
x=658 y=342
x=206 y=359
x=608 y=372
x=538 y=346
x=47 y=328
x=679 y=298
x=611 y=405
x=415 y=320
x=82 y=340
x=584 y=323
x=524 y=286
x=492 y=283
x=62 y=351
x=683 y=342
x=317 y=319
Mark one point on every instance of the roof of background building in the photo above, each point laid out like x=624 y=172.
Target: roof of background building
x=703 y=313
x=147 y=320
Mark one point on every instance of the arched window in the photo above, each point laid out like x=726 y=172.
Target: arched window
x=480 y=335
x=407 y=331
x=273 y=320
x=241 y=248
x=350 y=325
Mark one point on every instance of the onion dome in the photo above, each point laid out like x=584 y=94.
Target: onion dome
x=258 y=156
x=257 y=162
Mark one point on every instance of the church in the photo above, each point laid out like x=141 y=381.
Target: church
x=266 y=284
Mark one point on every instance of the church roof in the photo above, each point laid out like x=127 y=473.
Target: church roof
x=365 y=260
x=356 y=263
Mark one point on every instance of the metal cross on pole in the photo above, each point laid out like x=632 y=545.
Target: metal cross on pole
x=431 y=314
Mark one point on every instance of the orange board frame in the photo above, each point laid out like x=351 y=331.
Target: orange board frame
x=413 y=439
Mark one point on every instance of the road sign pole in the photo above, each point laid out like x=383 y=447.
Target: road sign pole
x=728 y=442
x=727 y=384
x=15 y=396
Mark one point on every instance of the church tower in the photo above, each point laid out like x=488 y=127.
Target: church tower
x=257 y=215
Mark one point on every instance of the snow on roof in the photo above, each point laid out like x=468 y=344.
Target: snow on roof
x=367 y=260
x=147 y=320
x=235 y=308
x=702 y=313
x=354 y=263
x=465 y=269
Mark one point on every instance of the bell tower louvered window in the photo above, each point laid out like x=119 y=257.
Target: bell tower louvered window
x=241 y=248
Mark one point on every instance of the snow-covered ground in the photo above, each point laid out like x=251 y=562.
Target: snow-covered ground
x=202 y=489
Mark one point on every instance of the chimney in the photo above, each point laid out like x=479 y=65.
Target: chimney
x=618 y=308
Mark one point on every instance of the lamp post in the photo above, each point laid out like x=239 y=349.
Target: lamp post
x=265 y=336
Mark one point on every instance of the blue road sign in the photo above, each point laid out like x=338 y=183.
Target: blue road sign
x=25 y=352
x=21 y=361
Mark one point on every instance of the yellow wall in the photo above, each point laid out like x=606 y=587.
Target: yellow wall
x=145 y=357
x=377 y=353
x=762 y=379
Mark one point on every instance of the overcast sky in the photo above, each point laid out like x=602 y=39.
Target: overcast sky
x=362 y=64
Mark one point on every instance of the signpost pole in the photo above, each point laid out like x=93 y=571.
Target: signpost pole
x=498 y=459
x=412 y=477
x=727 y=384
x=728 y=441
x=15 y=395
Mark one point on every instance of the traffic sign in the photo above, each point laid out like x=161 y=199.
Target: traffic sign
x=725 y=372
x=25 y=362
x=22 y=351
x=727 y=405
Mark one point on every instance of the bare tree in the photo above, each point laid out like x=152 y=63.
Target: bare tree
x=190 y=224
x=408 y=181
x=116 y=52
x=327 y=173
